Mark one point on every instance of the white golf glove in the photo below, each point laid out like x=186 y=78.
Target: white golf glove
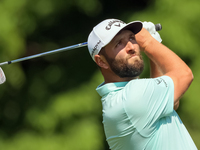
x=149 y=26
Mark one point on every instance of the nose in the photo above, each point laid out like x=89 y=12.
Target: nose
x=130 y=49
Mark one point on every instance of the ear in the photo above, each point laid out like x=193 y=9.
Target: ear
x=101 y=61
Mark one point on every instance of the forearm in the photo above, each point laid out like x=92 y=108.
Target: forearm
x=168 y=62
x=154 y=70
x=171 y=65
x=161 y=56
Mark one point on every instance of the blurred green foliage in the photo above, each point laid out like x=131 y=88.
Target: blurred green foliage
x=50 y=103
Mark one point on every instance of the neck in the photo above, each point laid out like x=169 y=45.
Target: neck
x=110 y=77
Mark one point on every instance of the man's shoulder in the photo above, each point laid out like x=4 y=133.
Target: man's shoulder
x=161 y=81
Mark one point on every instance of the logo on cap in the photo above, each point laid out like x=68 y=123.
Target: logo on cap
x=95 y=47
x=109 y=26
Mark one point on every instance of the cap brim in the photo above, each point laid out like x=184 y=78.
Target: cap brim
x=134 y=26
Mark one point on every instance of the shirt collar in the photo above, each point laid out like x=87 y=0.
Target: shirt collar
x=104 y=89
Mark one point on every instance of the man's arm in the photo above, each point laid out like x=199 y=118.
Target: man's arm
x=154 y=70
x=168 y=62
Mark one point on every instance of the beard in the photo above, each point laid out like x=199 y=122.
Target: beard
x=123 y=69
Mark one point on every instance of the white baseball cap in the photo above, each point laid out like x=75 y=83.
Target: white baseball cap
x=106 y=30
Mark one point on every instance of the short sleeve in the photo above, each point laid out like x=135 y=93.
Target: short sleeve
x=148 y=100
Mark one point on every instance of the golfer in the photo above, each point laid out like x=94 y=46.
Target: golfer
x=138 y=113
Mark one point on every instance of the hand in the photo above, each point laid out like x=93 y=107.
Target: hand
x=149 y=26
x=143 y=38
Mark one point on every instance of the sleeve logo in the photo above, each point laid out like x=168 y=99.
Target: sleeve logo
x=160 y=80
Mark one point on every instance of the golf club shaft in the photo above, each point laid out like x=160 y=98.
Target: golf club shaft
x=158 y=27
x=45 y=53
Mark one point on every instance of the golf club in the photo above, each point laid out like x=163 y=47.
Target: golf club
x=2 y=76
x=45 y=53
x=158 y=27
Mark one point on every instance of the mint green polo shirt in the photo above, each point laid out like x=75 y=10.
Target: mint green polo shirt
x=139 y=115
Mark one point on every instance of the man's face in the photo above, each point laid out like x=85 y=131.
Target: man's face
x=123 y=55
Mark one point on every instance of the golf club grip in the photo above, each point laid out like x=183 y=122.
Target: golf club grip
x=158 y=27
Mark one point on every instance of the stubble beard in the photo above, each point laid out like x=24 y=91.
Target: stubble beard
x=125 y=70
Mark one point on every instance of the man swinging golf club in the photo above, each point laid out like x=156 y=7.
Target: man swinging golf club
x=139 y=113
